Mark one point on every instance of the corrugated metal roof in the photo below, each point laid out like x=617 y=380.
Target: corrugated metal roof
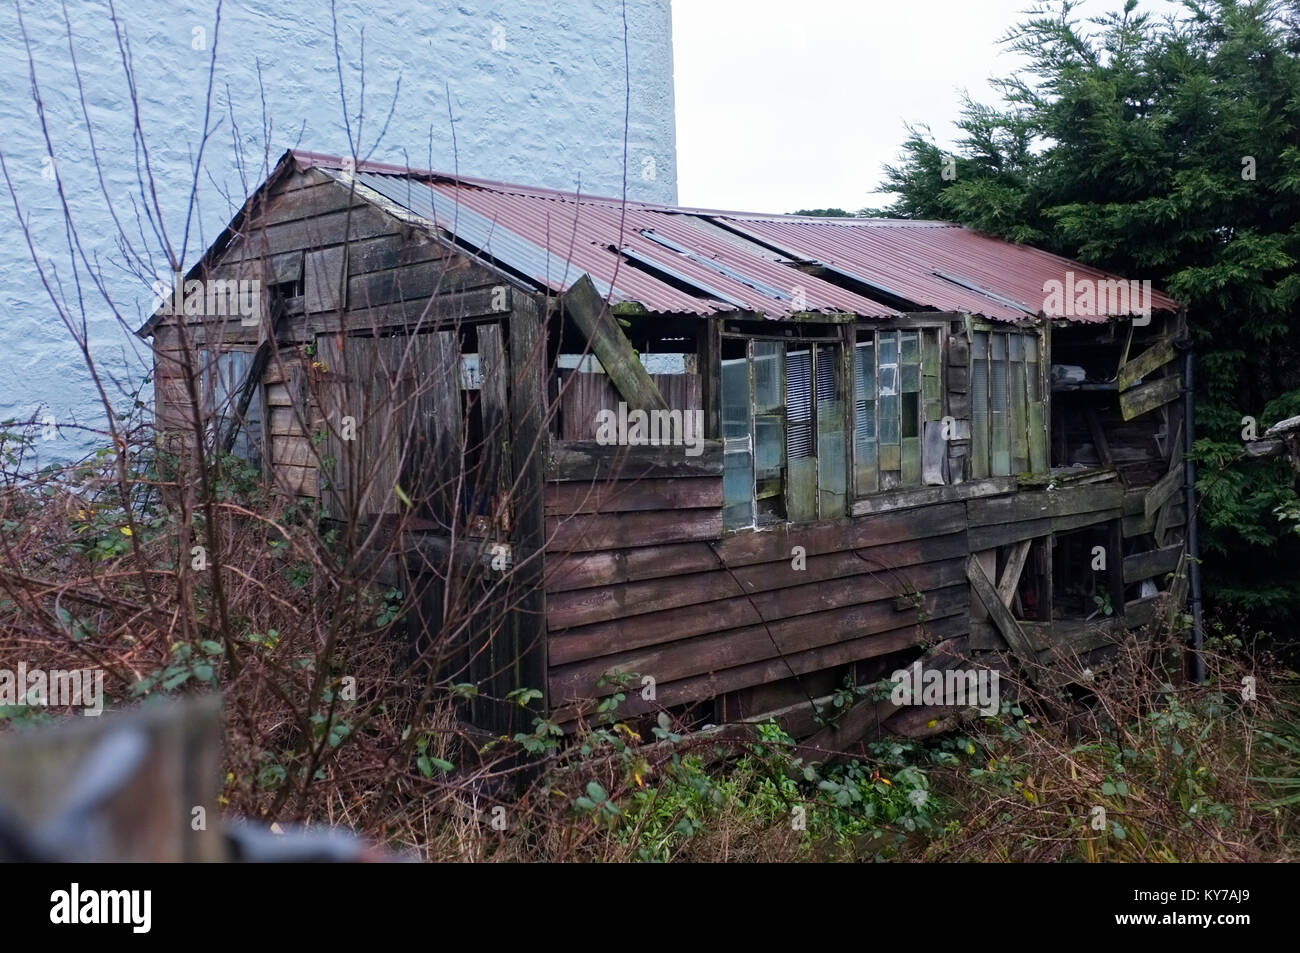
x=702 y=261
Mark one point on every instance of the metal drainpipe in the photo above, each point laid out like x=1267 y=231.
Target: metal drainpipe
x=1189 y=495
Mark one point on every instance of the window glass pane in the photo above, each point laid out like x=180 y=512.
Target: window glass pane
x=767 y=376
x=911 y=360
x=1037 y=407
x=737 y=490
x=1019 y=414
x=832 y=460
x=867 y=467
x=738 y=461
x=769 y=428
x=865 y=390
x=887 y=377
x=980 y=404
x=999 y=410
x=798 y=385
x=735 y=398
x=910 y=424
x=931 y=386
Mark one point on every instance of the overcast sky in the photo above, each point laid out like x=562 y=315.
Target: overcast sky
x=784 y=105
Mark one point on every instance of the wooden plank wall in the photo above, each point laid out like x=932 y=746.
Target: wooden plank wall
x=395 y=277
x=583 y=395
x=639 y=579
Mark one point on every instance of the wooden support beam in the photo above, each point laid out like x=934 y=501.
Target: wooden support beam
x=528 y=451
x=1001 y=616
x=1115 y=566
x=710 y=358
x=1155 y=563
x=584 y=305
x=1150 y=360
x=1010 y=580
x=863 y=720
x=1099 y=438
x=494 y=398
x=1139 y=400
x=1160 y=492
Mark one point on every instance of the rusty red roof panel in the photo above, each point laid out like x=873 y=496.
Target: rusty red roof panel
x=703 y=261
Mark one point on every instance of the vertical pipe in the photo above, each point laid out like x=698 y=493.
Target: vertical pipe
x=1189 y=493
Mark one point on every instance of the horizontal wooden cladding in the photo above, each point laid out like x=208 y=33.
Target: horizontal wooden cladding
x=421 y=281
x=928 y=496
x=743 y=549
x=451 y=308
x=583 y=607
x=781 y=601
x=589 y=461
x=596 y=569
x=628 y=496
x=297 y=481
x=1030 y=514
x=589 y=532
x=854 y=626
x=1037 y=504
x=712 y=684
x=332 y=228
x=1150 y=565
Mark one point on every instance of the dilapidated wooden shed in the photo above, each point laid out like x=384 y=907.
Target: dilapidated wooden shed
x=746 y=458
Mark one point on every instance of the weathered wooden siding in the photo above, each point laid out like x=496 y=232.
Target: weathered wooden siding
x=391 y=277
x=583 y=395
x=635 y=585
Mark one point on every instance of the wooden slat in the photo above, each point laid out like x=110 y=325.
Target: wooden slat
x=1160 y=492
x=741 y=549
x=583 y=533
x=297 y=481
x=590 y=313
x=324 y=278
x=1004 y=534
x=1010 y=580
x=1140 y=400
x=1150 y=565
x=999 y=614
x=529 y=449
x=1066 y=524
x=700 y=618
x=495 y=413
x=907 y=499
x=1153 y=358
x=588 y=461
x=292 y=452
x=713 y=684
x=333 y=228
x=736 y=647
x=664 y=577
x=623 y=496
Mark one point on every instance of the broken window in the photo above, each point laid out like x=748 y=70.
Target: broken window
x=897 y=391
x=783 y=426
x=222 y=381
x=1008 y=432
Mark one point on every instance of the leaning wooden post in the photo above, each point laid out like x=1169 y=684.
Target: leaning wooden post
x=530 y=443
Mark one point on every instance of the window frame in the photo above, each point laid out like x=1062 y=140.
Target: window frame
x=823 y=498
x=871 y=483
x=218 y=394
x=1027 y=405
